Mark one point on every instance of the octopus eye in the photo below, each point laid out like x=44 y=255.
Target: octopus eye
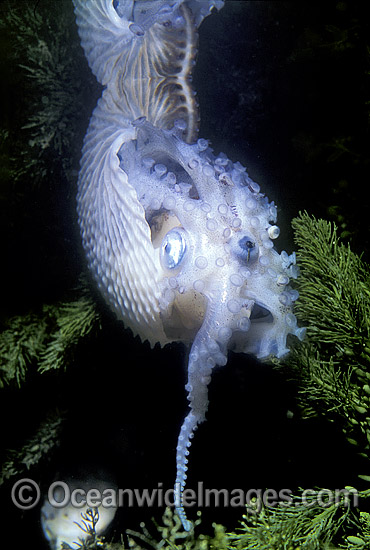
x=248 y=249
x=173 y=248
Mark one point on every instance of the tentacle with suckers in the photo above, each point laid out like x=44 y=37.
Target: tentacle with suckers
x=179 y=240
x=208 y=350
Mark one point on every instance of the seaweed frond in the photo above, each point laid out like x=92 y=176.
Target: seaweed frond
x=334 y=288
x=302 y=523
x=45 y=47
x=171 y=535
x=74 y=321
x=46 y=340
x=20 y=345
x=33 y=450
x=333 y=366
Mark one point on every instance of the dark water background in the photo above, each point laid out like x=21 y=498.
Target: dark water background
x=283 y=87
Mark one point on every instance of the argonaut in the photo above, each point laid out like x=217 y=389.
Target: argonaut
x=179 y=239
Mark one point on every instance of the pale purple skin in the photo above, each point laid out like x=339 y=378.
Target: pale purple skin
x=179 y=240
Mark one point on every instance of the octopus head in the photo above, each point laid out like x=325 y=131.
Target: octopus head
x=213 y=233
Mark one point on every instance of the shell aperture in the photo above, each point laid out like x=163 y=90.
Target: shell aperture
x=179 y=240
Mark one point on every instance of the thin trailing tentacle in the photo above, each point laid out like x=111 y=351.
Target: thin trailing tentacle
x=208 y=350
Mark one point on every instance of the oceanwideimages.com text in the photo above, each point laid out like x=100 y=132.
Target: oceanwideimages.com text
x=26 y=495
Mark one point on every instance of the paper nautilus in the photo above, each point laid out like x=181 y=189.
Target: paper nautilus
x=179 y=240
